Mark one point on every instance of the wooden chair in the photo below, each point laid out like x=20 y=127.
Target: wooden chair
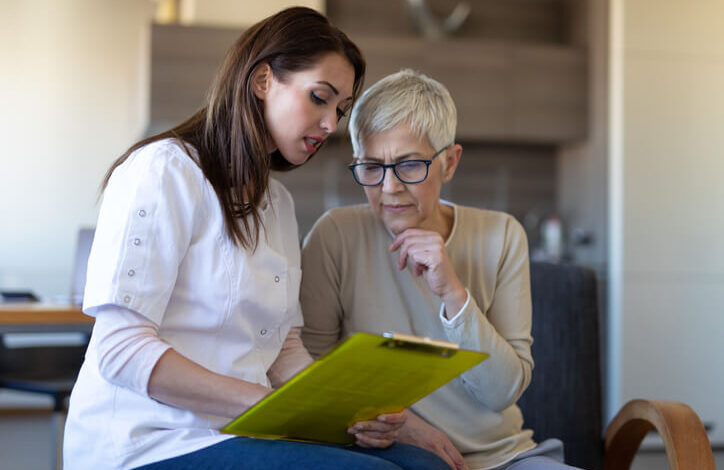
x=564 y=398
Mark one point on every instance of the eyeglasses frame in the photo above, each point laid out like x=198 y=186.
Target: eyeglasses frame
x=393 y=166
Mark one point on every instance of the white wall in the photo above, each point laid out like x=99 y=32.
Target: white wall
x=73 y=96
x=667 y=200
x=237 y=12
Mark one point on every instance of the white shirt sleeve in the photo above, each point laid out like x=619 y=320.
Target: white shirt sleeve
x=451 y=321
x=151 y=209
x=128 y=347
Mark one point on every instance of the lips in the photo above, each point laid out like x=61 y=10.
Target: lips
x=312 y=143
x=395 y=208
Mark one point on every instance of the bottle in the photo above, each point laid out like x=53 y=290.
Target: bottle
x=552 y=238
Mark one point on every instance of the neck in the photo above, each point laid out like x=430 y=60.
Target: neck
x=443 y=220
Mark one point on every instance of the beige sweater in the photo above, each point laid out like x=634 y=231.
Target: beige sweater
x=350 y=282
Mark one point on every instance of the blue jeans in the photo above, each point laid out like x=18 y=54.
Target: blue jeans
x=260 y=454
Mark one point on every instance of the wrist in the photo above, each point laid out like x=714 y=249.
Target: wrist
x=249 y=394
x=454 y=300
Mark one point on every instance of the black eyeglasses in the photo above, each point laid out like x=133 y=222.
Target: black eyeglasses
x=407 y=171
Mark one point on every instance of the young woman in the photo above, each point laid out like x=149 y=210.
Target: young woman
x=194 y=273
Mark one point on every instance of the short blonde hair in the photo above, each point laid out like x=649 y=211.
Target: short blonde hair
x=406 y=97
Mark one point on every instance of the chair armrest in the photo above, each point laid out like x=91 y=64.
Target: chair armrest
x=687 y=445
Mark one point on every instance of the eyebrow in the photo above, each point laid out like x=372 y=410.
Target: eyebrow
x=324 y=82
x=334 y=90
x=394 y=159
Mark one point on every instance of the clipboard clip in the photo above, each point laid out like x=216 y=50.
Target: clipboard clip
x=419 y=343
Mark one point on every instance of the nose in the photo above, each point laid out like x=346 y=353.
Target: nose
x=390 y=183
x=329 y=121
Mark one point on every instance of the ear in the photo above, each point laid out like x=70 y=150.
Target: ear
x=452 y=159
x=261 y=80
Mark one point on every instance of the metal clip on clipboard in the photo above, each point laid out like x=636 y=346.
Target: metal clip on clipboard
x=418 y=343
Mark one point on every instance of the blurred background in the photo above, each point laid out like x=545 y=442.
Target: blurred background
x=597 y=123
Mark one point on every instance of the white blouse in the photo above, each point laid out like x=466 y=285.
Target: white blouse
x=163 y=266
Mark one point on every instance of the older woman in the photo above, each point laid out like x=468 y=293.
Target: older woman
x=411 y=263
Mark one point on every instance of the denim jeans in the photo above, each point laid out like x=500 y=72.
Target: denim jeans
x=260 y=454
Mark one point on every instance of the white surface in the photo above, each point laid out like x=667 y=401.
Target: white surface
x=237 y=13
x=34 y=340
x=73 y=93
x=615 y=211
x=667 y=272
x=658 y=461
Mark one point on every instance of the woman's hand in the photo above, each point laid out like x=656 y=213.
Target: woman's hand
x=420 y=433
x=381 y=432
x=425 y=251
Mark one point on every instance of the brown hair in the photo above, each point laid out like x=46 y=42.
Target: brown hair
x=229 y=132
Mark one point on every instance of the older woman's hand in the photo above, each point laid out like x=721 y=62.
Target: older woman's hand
x=425 y=251
x=420 y=433
x=381 y=432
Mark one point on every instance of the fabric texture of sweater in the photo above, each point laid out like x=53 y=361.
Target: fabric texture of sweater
x=351 y=282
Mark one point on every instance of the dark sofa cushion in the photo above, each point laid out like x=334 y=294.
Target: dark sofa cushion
x=564 y=397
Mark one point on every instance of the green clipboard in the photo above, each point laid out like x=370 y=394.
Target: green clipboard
x=364 y=376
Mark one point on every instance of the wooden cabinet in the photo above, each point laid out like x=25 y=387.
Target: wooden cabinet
x=503 y=91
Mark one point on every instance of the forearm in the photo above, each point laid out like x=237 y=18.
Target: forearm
x=292 y=358
x=319 y=341
x=180 y=382
x=130 y=354
x=500 y=380
x=321 y=290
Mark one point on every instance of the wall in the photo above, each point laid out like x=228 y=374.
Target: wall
x=667 y=159
x=73 y=93
x=517 y=21
x=237 y=13
x=582 y=166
